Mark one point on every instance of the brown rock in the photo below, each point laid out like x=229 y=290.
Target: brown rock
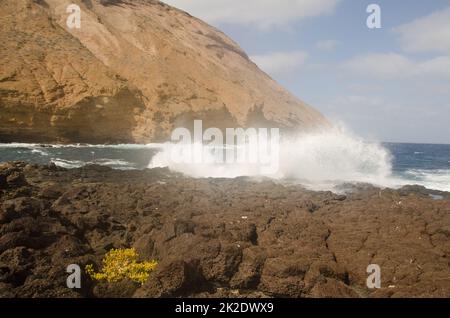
x=205 y=248
x=131 y=73
x=173 y=278
x=331 y=288
x=123 y=289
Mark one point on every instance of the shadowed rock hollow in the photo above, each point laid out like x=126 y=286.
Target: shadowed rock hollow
x=132 y=72
x=217 y=237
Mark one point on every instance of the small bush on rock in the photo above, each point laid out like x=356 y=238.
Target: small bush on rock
x=119 y=264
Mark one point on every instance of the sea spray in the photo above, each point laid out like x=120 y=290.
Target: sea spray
x=334 y=156
x=318 y=160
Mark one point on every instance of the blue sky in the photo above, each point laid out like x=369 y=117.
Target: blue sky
x=388 y=84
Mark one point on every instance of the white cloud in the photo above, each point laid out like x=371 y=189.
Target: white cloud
x=278 y=63
x=327 y=45
x=380 y=65
x=439 y=66
x=429 y=33
x=261 y=13
x=392 y=65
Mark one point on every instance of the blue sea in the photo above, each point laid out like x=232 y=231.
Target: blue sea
x=423 y=164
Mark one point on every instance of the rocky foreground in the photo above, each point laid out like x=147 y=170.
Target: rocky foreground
x=218 y=237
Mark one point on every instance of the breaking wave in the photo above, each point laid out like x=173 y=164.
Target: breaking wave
x=432 y=179
x=319 y=161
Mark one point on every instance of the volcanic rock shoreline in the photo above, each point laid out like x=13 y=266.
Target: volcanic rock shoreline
x=217 y=237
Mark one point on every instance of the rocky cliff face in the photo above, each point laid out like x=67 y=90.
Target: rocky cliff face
x=131 y=73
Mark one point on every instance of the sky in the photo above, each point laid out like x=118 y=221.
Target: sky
x=387 y=84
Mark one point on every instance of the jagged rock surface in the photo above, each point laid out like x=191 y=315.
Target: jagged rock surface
x=217 y=237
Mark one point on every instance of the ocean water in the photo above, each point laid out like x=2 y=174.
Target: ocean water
x=423 y=164
x=320 y=162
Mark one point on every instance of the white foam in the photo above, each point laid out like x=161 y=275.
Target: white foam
x=318 y=161
x=335 y=156
x=114 y=163
x=431 y=179
x=18 y=145
x=40 y=152
x=68 y=164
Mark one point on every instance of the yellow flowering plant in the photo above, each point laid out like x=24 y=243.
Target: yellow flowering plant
x=119 y=264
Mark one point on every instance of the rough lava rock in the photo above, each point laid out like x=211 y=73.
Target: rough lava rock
x=217 y=237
